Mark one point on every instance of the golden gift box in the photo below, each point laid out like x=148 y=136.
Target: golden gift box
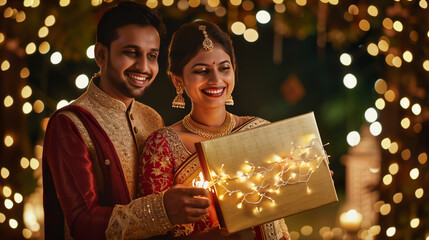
x=267 y=173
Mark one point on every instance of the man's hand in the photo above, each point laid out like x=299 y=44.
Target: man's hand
x=185 y=204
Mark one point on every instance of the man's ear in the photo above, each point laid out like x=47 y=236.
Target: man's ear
x=177 y=81
x=100 y=53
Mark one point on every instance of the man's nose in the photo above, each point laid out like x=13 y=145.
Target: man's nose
x=142 y=64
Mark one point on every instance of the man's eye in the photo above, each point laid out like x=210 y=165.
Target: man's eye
x=153 y=56
x=130 y=53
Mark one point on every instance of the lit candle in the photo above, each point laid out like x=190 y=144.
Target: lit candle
x=351 y=220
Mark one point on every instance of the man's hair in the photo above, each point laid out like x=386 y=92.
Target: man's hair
x=125 y=13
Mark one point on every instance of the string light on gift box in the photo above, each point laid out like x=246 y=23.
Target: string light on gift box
x=296 y=167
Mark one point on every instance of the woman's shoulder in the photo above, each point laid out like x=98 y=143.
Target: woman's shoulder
x=248 y=122
x=166 y=134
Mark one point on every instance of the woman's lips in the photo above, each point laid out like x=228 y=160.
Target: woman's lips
x=213 y=92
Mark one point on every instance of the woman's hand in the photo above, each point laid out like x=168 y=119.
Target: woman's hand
x=185 y=204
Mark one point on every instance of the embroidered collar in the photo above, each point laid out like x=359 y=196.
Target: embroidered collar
x=104 y=99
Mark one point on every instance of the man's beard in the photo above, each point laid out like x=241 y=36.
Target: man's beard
x=115 y=79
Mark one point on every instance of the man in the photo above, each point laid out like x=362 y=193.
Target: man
x=92 y=146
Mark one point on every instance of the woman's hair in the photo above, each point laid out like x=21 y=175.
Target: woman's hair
x=188 y=40
x=125 y=13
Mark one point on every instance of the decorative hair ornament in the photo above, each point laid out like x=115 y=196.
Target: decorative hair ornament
x=179 y=101
x=207 y=43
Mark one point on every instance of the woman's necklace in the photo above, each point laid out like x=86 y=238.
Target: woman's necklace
x=209 y=132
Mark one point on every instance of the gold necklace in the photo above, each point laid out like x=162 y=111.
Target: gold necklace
x=209 y=132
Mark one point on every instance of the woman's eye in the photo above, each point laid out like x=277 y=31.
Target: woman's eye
x=224 y=68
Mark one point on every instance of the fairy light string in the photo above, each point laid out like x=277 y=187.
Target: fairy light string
x=293 y=168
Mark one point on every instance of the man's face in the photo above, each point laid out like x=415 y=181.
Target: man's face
x=131 y=63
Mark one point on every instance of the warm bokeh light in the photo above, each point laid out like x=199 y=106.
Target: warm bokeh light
x=393 y=148
x=238 y=28
x=62 y=103
x=387 y=23
x=17 y=197
x=353 y=9
x=387 y=179
x=372 y=49
x=235 y=2
x=380 y=86
x=34 y=163
x=213 y=3
x=44 y=47
x=82 y=81
x=416 y=109
x=8 y=101
x=26 y=92
x=390 y=95
x=406 y=154
x=423 y=157
x=385 y=209
x=38 y=106
x=414 y=173
x=371 y=115
x=405 y=123
x=404 y=102
x=251 y=35
x=263 y=16
x=30 y=48
x=248 y=5
x=56 y=58
x=383 y=44
x=5 y=65
x=353 y=138
x=419 y=193
x=280 y=8
x=306 y=230
x=426 y=65
x=194 y=3
x=167 y=3
x=380 y=104
x=393 y=168
x=25 y=163
x=364 y=25
x=375 y=128
x=385 y=143
x=27 y=108
x=4 y=172
x=391 y=231
x=372 y=10
x=407 y=56
x=50 y=20
x=13 y=223
x=346 y=59
x=43 y=32
x=397 y=25
x=8 y=140
x=415 y=222
x=397 y=198
x=349 y=81
x=64 y=3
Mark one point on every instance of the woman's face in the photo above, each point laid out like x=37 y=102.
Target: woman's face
x=209 y=78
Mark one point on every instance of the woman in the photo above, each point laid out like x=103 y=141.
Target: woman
x=202 y=63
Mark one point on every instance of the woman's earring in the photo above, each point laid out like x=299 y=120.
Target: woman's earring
x=179 y=101
x=229 y=101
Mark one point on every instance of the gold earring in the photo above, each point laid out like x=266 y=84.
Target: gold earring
x=229 y=101
x=179 y=101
